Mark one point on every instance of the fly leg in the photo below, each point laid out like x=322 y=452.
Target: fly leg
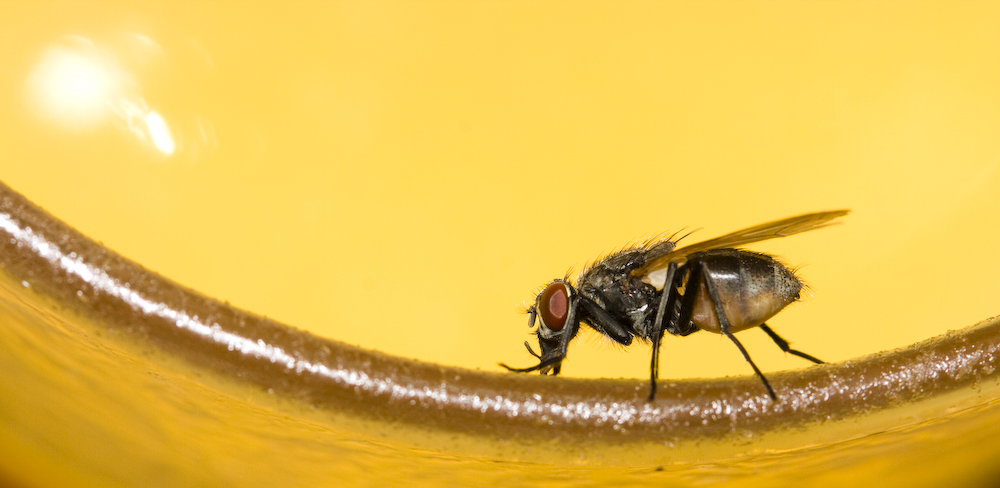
x=681 y=324
x=600 y=320
x=700 y=272
x=659 y=326
x=543 y=366
x=783 y=344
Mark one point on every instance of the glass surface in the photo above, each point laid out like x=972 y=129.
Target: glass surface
x=404 y=175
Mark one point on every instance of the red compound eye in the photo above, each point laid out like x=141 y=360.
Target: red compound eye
x=553 y=306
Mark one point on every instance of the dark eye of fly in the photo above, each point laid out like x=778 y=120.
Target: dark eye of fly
x=553 y=306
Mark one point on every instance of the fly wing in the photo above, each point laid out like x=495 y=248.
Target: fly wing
x=762 y=232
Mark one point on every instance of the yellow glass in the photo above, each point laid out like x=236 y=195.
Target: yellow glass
x=404 y=175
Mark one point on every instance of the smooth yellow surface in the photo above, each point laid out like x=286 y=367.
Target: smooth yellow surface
x=403 y=175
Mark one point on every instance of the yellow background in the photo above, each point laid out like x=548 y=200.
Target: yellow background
x=404 y=175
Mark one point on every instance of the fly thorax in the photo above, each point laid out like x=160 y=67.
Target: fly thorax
x=641 y=319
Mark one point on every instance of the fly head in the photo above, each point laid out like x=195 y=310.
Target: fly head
x=554 y=309
x=555 y=312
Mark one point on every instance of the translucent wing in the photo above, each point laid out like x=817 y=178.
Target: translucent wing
x=762 y=232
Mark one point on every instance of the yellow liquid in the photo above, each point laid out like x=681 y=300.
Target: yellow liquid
x=402 y=176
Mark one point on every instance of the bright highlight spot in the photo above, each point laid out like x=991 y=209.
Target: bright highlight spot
x=72 y=87
x=160 y=133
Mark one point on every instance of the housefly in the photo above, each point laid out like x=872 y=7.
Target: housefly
x=653 y=288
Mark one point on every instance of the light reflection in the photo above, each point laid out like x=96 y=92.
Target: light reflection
x=147 y=125
x=72 y=84
x=78 y=86
x=160 y=132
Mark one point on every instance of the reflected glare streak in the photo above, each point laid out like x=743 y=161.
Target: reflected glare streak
x=159 y=131
x=146 y=124
x=100 y=280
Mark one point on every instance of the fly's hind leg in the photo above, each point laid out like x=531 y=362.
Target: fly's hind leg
x=699 y=272
x=783 y=344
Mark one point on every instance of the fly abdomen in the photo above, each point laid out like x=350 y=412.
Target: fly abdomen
x=752 y=288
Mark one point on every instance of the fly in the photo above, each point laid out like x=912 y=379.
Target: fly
x=654 y=288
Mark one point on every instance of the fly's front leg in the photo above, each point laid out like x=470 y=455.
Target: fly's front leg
x=659 y=326
x=553 y=348
x=700 y=271
x=601 y=321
